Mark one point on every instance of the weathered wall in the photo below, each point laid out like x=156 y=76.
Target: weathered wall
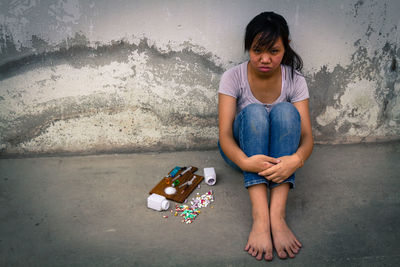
x=110 y=76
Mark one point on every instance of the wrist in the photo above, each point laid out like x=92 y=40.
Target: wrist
x=243 y=164
x=299 y=159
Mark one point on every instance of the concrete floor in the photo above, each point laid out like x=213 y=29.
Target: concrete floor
x=91 y=211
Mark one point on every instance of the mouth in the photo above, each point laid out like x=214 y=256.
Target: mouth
x=264 y=69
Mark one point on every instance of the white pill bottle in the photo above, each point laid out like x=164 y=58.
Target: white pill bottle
x=157 y=202
x=209 y=176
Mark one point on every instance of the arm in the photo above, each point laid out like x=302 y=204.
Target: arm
x=306 y=139
x=226 y=116
x=289 y=164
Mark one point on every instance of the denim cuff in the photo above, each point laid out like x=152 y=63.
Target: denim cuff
x=261 y=180
x=291 y=183
x=256 y=181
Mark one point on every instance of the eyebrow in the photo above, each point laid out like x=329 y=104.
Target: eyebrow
x=267 y=48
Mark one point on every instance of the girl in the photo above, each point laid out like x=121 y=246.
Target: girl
x=265 y=129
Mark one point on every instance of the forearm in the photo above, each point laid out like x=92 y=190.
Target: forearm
x=306 y=140
x=305 y=148
x=233 y=151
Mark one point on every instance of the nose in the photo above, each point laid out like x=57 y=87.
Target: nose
x=265 y=58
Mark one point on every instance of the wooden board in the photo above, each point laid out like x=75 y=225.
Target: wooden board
x=182 y=193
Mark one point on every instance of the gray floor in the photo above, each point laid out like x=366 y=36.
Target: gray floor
x=91 y=211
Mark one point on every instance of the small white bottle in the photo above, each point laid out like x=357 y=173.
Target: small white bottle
x=209 y=176
x=157 y=202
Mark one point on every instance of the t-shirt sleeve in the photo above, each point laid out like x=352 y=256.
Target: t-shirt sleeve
x=229 y=84
x=299 y=90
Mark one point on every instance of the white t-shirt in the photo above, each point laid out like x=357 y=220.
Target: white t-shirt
x=234 y=82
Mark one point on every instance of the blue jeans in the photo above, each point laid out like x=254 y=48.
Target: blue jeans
x=275 y=134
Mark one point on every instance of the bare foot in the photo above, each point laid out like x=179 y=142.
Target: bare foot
x=259 y=241
x=285 y=242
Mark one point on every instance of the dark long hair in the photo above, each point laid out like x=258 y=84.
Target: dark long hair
x=268 y=27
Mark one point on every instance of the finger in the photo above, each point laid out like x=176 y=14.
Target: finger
x=268 y=171
x=277 y=179
x=267 y=165
x=269 y=159
x=273 y=160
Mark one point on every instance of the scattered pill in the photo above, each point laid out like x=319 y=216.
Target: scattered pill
x=189 y=213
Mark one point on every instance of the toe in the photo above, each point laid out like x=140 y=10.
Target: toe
x=247 y=247
x=298 y=243
x=294 y=248
x=282 y=254
x=289 y=252
x=268 y=256
x=259 y=255
x=250 y=251
x=254 y=253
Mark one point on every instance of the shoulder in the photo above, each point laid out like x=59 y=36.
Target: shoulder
x=295 y=81
x=297 y=76
x=235 y=72
x=296 y=85
x=232 y=80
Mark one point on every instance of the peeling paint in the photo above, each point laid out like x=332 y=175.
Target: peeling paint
x=147 y=98
x=362 y=95
x=65 y=88
x=358 y=101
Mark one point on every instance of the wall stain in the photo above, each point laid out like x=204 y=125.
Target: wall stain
x=326 y=88
x=73 y=51
x=29 y=126
x=78 y=53
x=357 y=6
x=186 y=69
x=176 y=92
x=375 y=69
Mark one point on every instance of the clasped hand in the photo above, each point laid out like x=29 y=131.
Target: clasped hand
x=273 y=169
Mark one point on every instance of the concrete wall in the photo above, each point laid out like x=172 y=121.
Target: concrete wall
x=112 y=76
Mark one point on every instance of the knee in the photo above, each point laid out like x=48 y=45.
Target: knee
x=255 y=112
x=285 y=112
x=255 y=119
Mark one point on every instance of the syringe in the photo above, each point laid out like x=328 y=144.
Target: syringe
x=182 y=173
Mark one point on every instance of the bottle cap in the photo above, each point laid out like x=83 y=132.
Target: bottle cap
x=165 y=204
x=209 y=176
x=210 y=181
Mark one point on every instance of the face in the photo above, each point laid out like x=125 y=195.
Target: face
x=266 y=61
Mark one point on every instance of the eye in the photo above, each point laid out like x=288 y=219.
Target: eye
x=274 y=51
x=257 y=50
